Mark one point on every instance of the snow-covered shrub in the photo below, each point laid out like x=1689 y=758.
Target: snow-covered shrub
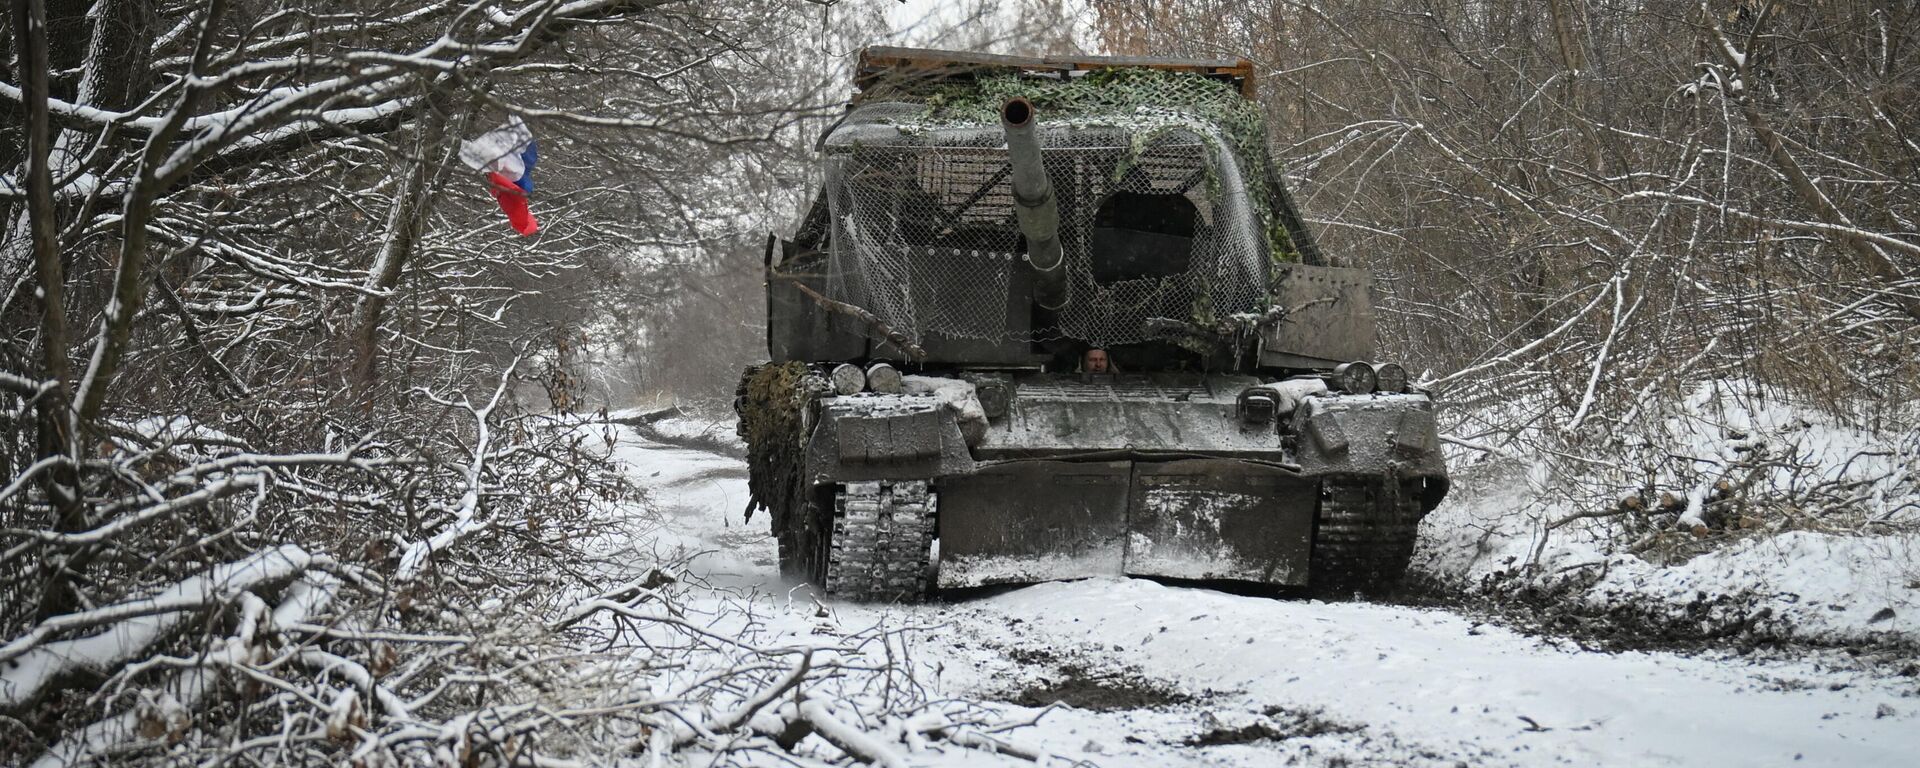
x=284 y=460
x=1734 y=501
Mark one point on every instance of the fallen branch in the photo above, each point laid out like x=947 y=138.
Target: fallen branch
x=853 y=741
x=35 y=665
x=879 y=326
x=467 y=519
x=304 y=598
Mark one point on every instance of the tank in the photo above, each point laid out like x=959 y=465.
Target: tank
x=1059 y=318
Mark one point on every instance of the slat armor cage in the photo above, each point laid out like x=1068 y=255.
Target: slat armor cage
x=922 y=213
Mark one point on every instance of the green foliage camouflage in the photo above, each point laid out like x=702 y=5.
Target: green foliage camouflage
x=773 y=405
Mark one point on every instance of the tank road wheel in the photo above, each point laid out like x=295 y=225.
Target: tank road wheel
x=881 y=537
x=1363 y=537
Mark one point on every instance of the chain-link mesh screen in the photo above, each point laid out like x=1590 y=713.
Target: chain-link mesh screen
x=924 y=232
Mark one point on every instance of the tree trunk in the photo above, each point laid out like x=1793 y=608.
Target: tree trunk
x=412 y=203
x=1876 y=261
x=53 y=438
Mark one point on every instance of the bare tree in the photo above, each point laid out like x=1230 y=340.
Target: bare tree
x=1578 y=211
x=272 y=367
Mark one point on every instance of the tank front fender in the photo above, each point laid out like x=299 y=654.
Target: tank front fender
x=1368 y=435
x=885 y=437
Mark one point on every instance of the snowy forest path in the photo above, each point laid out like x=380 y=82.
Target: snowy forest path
x=697 y=498
x=1148 y=674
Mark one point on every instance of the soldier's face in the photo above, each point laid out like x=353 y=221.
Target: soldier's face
x=1096 y=361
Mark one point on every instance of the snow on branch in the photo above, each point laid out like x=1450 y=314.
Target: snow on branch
x=33 y=662
x=218 y=489
x=1837 y=230
x=467 y=518
x=164 y=712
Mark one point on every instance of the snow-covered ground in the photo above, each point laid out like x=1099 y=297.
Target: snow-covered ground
x=1825 y=548
x=1153 y=675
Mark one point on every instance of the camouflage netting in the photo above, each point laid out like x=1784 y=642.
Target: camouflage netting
x=772 y=404
x=924 y=233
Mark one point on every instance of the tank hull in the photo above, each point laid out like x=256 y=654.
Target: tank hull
x=1163 y=475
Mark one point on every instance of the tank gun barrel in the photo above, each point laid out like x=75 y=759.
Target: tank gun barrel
x=1034 y=203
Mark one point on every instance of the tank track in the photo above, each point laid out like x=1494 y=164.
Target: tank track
x=1364 y=536
x=882 y=537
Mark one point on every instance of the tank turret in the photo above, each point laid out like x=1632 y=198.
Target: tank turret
x=1034 y=203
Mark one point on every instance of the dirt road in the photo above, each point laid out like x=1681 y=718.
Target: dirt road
x=1144 y=674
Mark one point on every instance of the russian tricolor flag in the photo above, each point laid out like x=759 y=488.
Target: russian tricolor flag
x=506 y=155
